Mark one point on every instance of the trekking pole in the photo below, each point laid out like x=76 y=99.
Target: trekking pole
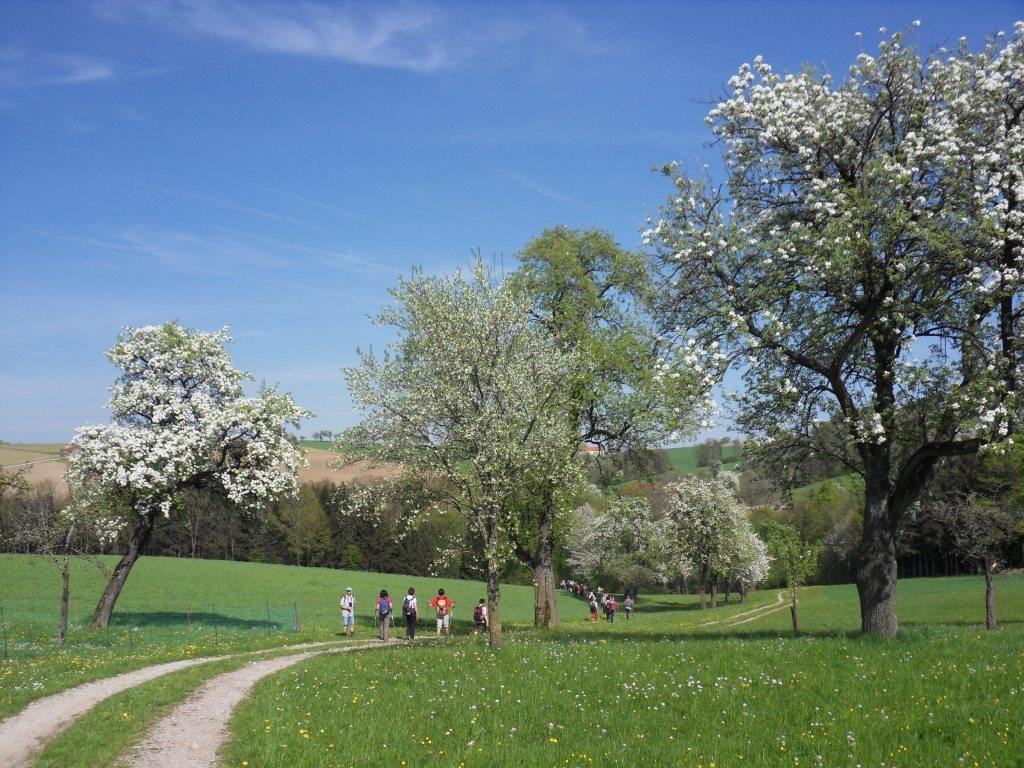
x=268 y=618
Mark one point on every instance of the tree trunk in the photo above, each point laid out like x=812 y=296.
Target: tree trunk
x=701 y=588
x=65 y=590
x=545 y=590
x=140 y=537
x=728 y=589
x=792 y=612
x=876 y=566
x=990 y=596
x=714 y=592
x=493 y=604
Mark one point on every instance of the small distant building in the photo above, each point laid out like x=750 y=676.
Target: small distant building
x=591 y=449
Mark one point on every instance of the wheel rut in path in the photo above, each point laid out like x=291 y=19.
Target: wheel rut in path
x=192 y=735
x=25 y=732
x=754 y=614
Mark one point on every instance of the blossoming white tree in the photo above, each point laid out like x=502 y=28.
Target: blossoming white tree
x=179 y=421
x=711 y=530
x=623 y=543
x=864 y=261
x=474 y=392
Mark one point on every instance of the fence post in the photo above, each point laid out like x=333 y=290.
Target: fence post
x=3 y=623
x=213 y=618
x=188 y=624
x=296 y=626
x=268 y=618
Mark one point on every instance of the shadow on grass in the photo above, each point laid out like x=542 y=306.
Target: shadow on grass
x=181 y=619
x=908 y=630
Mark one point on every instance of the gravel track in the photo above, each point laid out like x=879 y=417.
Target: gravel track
x=24 y=733
x=192 y=735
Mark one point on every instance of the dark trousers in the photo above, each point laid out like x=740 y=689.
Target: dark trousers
x=410 y=626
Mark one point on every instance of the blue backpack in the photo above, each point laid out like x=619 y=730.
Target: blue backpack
x=385 y=606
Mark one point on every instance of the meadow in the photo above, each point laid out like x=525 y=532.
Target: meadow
x=175 y=608
x=664 y=690
x=674 y=686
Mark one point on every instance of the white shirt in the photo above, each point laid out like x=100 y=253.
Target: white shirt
x=409 y=604
x=348 y=604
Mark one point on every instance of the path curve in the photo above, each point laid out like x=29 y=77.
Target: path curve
x=25 y=732
x=192 y=735
x=761 y=610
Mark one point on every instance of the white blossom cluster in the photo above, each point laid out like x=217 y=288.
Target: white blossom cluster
x=626 y=534
x=179 y=421
x=711 y=529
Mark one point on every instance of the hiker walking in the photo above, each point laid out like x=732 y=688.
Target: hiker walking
x=411 y=612
x=612 y=608
x=480 y=616
x=592 y=604
x=627 y=606
x=444 y=605
x=383 y=610
x=348 y=612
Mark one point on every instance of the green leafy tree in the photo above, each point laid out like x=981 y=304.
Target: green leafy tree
x=797 y=559
x=633 y=389
x=863 y=262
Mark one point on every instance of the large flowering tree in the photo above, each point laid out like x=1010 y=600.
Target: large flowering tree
x=472 y=392
x=179 y=421
x=864 y=262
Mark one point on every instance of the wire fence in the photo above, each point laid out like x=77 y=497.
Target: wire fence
x=29 y=627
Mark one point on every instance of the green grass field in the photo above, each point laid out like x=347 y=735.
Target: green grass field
x=674 y=686
x=177 y=608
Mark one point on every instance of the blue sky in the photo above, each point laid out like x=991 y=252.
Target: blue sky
x=275 y=166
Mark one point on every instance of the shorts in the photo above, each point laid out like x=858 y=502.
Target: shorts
x=348 y=620
x=444 y=621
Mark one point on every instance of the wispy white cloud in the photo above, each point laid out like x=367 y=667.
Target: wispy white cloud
x=403 y=36
x=329 y=258
x=420 y=37
x=540 y=189
x=152 y=252
x=230 y=204
x=21 y=68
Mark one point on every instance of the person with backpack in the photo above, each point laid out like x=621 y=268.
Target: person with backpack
x=627 y=606
x=444 y=606
x=348 y=613
x=411 y=612
x=613 y=607
x=480 y=616
x=593 y=607
x=383 y=610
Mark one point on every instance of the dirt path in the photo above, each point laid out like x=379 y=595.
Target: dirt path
x=763 y=610
x=22 y=734
x=194 y=732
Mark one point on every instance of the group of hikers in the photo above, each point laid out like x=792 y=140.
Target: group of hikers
x=384 y=610
x=601 y=600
